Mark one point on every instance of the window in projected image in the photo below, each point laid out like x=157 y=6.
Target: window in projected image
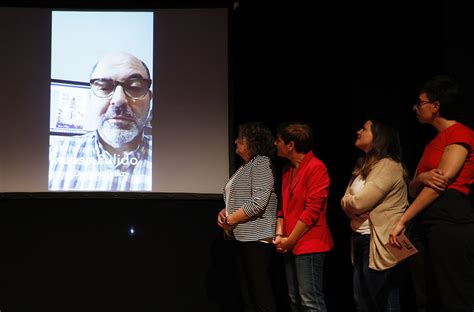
x=68 y=109
x=101 y=101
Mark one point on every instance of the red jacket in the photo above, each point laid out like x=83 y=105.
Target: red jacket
x=306 y=200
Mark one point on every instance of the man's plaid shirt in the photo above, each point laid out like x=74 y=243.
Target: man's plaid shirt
x=80 y=163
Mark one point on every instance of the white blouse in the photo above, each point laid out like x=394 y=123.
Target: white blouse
x=360 y=223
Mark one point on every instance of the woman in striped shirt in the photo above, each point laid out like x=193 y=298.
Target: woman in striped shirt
x=249 y=215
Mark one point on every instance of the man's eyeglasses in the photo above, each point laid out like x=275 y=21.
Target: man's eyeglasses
x=134 y=88
x=420 y=103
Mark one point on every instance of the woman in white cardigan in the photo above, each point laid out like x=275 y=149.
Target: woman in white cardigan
x=250 y=215
x=375 y=199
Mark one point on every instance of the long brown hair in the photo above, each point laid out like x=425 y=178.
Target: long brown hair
x=385 y=144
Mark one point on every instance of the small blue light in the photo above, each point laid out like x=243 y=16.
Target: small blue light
x=132 y=231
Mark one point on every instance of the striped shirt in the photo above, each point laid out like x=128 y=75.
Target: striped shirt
x=80 y=163
x=252 y=189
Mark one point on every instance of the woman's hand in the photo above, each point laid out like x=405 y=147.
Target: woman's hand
x=398 y=229
x=284 y=245
x=434 y=179
x=277 y=240
x=221 y=221
x=221 y=218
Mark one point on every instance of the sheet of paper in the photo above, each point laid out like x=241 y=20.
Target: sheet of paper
x=407 y=248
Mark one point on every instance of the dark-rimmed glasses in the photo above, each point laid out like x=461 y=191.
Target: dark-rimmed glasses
x=420 y=103
x=134 y=88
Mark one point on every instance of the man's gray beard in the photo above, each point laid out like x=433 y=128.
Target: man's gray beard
x=116 y=137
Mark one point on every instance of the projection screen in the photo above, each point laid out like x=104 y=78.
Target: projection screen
x=114 y=100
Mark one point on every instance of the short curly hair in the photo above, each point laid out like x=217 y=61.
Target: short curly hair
x=260 y=140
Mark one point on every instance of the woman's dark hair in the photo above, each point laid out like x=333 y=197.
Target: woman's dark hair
x=443 y=89
x=385 y=143
x=260 y=140
x=300 y=133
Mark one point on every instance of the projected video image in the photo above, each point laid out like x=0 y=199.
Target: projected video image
x=101 y=101
x=110 y=101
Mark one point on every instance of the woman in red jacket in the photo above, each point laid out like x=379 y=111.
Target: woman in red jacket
x=302 y=230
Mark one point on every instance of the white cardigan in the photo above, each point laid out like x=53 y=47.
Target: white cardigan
x=384 y=196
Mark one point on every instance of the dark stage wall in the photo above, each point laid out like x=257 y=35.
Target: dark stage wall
x=78 y=255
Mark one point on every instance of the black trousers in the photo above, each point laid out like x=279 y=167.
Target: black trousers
x=449 y=261
x=447 y=230
x=254 y=269
x=417 y=268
